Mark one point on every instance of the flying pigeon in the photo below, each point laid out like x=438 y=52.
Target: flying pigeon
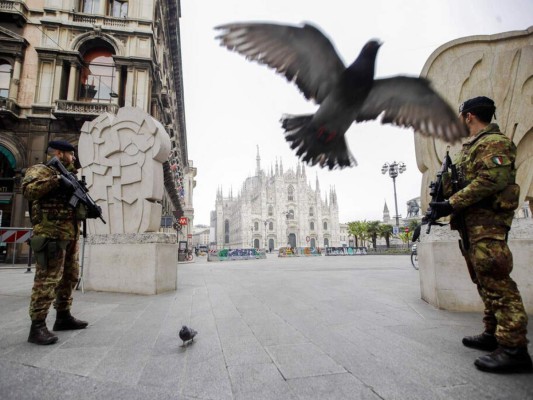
x=187 y=334
x=345 y=94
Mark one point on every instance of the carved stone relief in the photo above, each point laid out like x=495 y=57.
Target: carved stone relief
x=121 y=158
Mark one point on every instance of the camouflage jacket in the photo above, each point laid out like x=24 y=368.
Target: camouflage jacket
x=489 y=194
x=51 y=214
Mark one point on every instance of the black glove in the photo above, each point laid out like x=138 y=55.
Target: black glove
x=65 y=183
x=416 y=233
x=441 y=208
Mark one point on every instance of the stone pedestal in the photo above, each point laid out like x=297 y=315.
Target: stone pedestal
x=142 y=263
x=444 y=279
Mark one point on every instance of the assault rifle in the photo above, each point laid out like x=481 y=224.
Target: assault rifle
x=436 y=191
x=80 y=194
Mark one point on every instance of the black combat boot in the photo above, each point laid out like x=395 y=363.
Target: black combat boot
x=485 y=341
x=39 y=333
x=506 y=359
x=66 y=322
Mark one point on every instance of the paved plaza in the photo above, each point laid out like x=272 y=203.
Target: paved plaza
x=294 y=328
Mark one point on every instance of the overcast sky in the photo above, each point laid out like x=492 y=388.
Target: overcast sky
x=233 y=105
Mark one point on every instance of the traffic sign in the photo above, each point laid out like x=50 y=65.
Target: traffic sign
x=395 y=230
x=183 y=220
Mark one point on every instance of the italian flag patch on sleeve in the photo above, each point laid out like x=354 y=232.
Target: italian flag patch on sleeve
x=498 y=160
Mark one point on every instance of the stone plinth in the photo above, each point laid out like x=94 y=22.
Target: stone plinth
x=142 y=263
x=444 y=279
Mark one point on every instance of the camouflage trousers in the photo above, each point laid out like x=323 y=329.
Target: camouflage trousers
x=505 y=316
x=55 y=281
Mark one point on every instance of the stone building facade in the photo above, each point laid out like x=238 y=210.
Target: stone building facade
x=64 y=62
x=275 y=209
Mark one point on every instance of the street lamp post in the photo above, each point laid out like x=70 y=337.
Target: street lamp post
x=394 y=170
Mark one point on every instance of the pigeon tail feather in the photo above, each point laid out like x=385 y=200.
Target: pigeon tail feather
x=316 y=145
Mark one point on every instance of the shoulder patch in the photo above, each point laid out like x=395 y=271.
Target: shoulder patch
x=496 y=160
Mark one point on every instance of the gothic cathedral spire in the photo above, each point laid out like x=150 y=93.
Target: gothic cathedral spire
x=258 y=161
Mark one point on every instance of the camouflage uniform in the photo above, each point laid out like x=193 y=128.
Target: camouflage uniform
x=56 y=267
x=486 y=203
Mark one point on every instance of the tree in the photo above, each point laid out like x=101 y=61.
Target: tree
x=372 y=230
x=359 y=230
x=352 y=231
x=385 y=231
x=413 y=224
x=405 y=236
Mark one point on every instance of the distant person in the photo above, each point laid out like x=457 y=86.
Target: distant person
x=482 y=210
x=56 y=231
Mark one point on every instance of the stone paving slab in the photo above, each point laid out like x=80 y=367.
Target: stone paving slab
x=289 y=328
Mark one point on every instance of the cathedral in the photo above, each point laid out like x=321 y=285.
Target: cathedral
x=276 y=209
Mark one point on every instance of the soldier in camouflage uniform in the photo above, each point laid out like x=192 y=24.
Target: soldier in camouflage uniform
x=482 y=210
x=54 y=242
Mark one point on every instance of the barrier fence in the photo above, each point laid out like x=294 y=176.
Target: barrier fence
x=299 y=251
x=235 y=254
x=345 y=251
x=14 y=236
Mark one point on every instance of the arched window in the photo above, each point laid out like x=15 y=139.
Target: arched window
x=226 y=232
x=270 y=226
x=5 y=78
x=98 y=81
x=290 y=214
x=270 y=211
x=312 y=226
x=325 y=226
x=256 y=226
x=311 y=211
x=326 y=242
x=290 y=193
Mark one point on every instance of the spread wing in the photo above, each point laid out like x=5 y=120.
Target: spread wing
x=411 y=102
x=302 y=53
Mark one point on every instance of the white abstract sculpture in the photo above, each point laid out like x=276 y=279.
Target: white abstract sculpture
x=121 y=157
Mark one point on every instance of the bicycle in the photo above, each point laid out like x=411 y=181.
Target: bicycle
x=414 y=257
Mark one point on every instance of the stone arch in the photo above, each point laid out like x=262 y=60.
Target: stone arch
x=16 y=149
x=89 y=39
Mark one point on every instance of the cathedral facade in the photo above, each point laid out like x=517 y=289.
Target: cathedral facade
x=276 y=209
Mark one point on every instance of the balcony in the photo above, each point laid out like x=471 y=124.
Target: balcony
x=101 y=20
x=77 y=109
x=8 y=108
x=14 y=11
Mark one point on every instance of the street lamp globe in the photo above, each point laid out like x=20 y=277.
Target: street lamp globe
x=394 y=170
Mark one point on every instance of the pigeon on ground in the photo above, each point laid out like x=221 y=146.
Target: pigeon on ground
x=187 y=334
x=306 y=57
